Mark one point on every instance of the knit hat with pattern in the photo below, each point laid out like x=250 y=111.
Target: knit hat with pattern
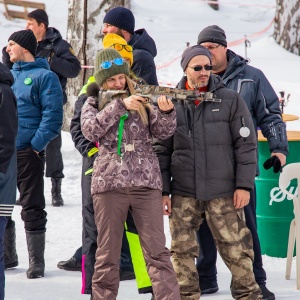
x=120 y=17
x=26 y=39
x=192 y=51
x=40 y=15
x=212 y=34
x=112 y=40
x=108 y=55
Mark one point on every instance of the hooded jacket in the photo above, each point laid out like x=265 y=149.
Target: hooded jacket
x=61 y=57
x=8 y=133
x=261 y=100
x=40 y=99
x=137 y=164
x=207 y=158
x=144 y=51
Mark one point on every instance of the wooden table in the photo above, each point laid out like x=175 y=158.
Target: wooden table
x=292 y=135
x=287 y=117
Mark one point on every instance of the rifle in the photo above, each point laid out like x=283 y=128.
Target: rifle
x=153 y=92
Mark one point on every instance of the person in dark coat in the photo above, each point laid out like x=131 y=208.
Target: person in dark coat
x=8 y=161
x=263 y=105
x=121 y=21
x=64 y=63
x=208 y=167
x=40 y=111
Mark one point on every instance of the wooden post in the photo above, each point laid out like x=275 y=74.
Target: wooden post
x=215 y=5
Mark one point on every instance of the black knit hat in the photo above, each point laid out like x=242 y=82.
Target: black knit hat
x=26 y=39
x=192 y=51
x=109 y=55
x=120 y=17
x=212 y=34
x=40 y=15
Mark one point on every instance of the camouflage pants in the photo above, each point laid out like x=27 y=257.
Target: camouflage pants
x=232 y=238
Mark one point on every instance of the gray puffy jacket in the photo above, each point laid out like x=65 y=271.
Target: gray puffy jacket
x=207 y=157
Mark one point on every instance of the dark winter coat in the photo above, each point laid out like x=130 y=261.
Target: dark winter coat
x=144 y=51
x=83 y=145
x=8 y=133
x=260 y=98
x=61 y=57
x=40 y=99
x=59 y=54
x=207 y=158
x=138 y=168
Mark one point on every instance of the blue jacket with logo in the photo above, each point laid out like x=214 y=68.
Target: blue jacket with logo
x=40 y=103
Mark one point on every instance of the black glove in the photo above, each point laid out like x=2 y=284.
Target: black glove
x=274 y=162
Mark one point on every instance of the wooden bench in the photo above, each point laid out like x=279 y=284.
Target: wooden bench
x=13 y=13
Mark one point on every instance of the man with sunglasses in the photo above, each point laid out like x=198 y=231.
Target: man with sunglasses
x=208 y=167
x=121 y=21
x=263 y=105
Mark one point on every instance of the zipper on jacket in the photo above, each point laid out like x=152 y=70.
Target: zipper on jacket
x=281 y=134
x=240 y=83
x=205 y=160
x=188 y=121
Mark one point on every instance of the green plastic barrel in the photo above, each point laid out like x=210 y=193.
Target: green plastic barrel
x=274 y=209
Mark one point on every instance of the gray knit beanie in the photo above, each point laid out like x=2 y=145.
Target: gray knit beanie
x=192 y=51
x=212 y=34
x=109 y=55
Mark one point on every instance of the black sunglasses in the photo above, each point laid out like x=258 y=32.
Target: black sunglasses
x=199 y=68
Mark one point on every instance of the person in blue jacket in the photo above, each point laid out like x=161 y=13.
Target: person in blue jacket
x=263 y=104
x=8 y=158
x=40 y=112
x=64 y=64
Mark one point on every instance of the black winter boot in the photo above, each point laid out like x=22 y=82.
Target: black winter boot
x=57 y=199
x=70 y=265
x=10 y=252
x=36 y=249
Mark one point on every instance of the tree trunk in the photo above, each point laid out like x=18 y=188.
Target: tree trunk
x=287 y=25
x=85 y=22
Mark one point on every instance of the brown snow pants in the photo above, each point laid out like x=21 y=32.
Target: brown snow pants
x=111 y=210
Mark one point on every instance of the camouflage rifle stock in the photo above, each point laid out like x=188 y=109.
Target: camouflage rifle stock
x=153 y=92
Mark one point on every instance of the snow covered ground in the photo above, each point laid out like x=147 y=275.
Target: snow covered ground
x=172 y=23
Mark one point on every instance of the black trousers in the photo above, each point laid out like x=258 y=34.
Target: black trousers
x=206 y=262
x=54 y=160
x=30 y=182
x=89 y=228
